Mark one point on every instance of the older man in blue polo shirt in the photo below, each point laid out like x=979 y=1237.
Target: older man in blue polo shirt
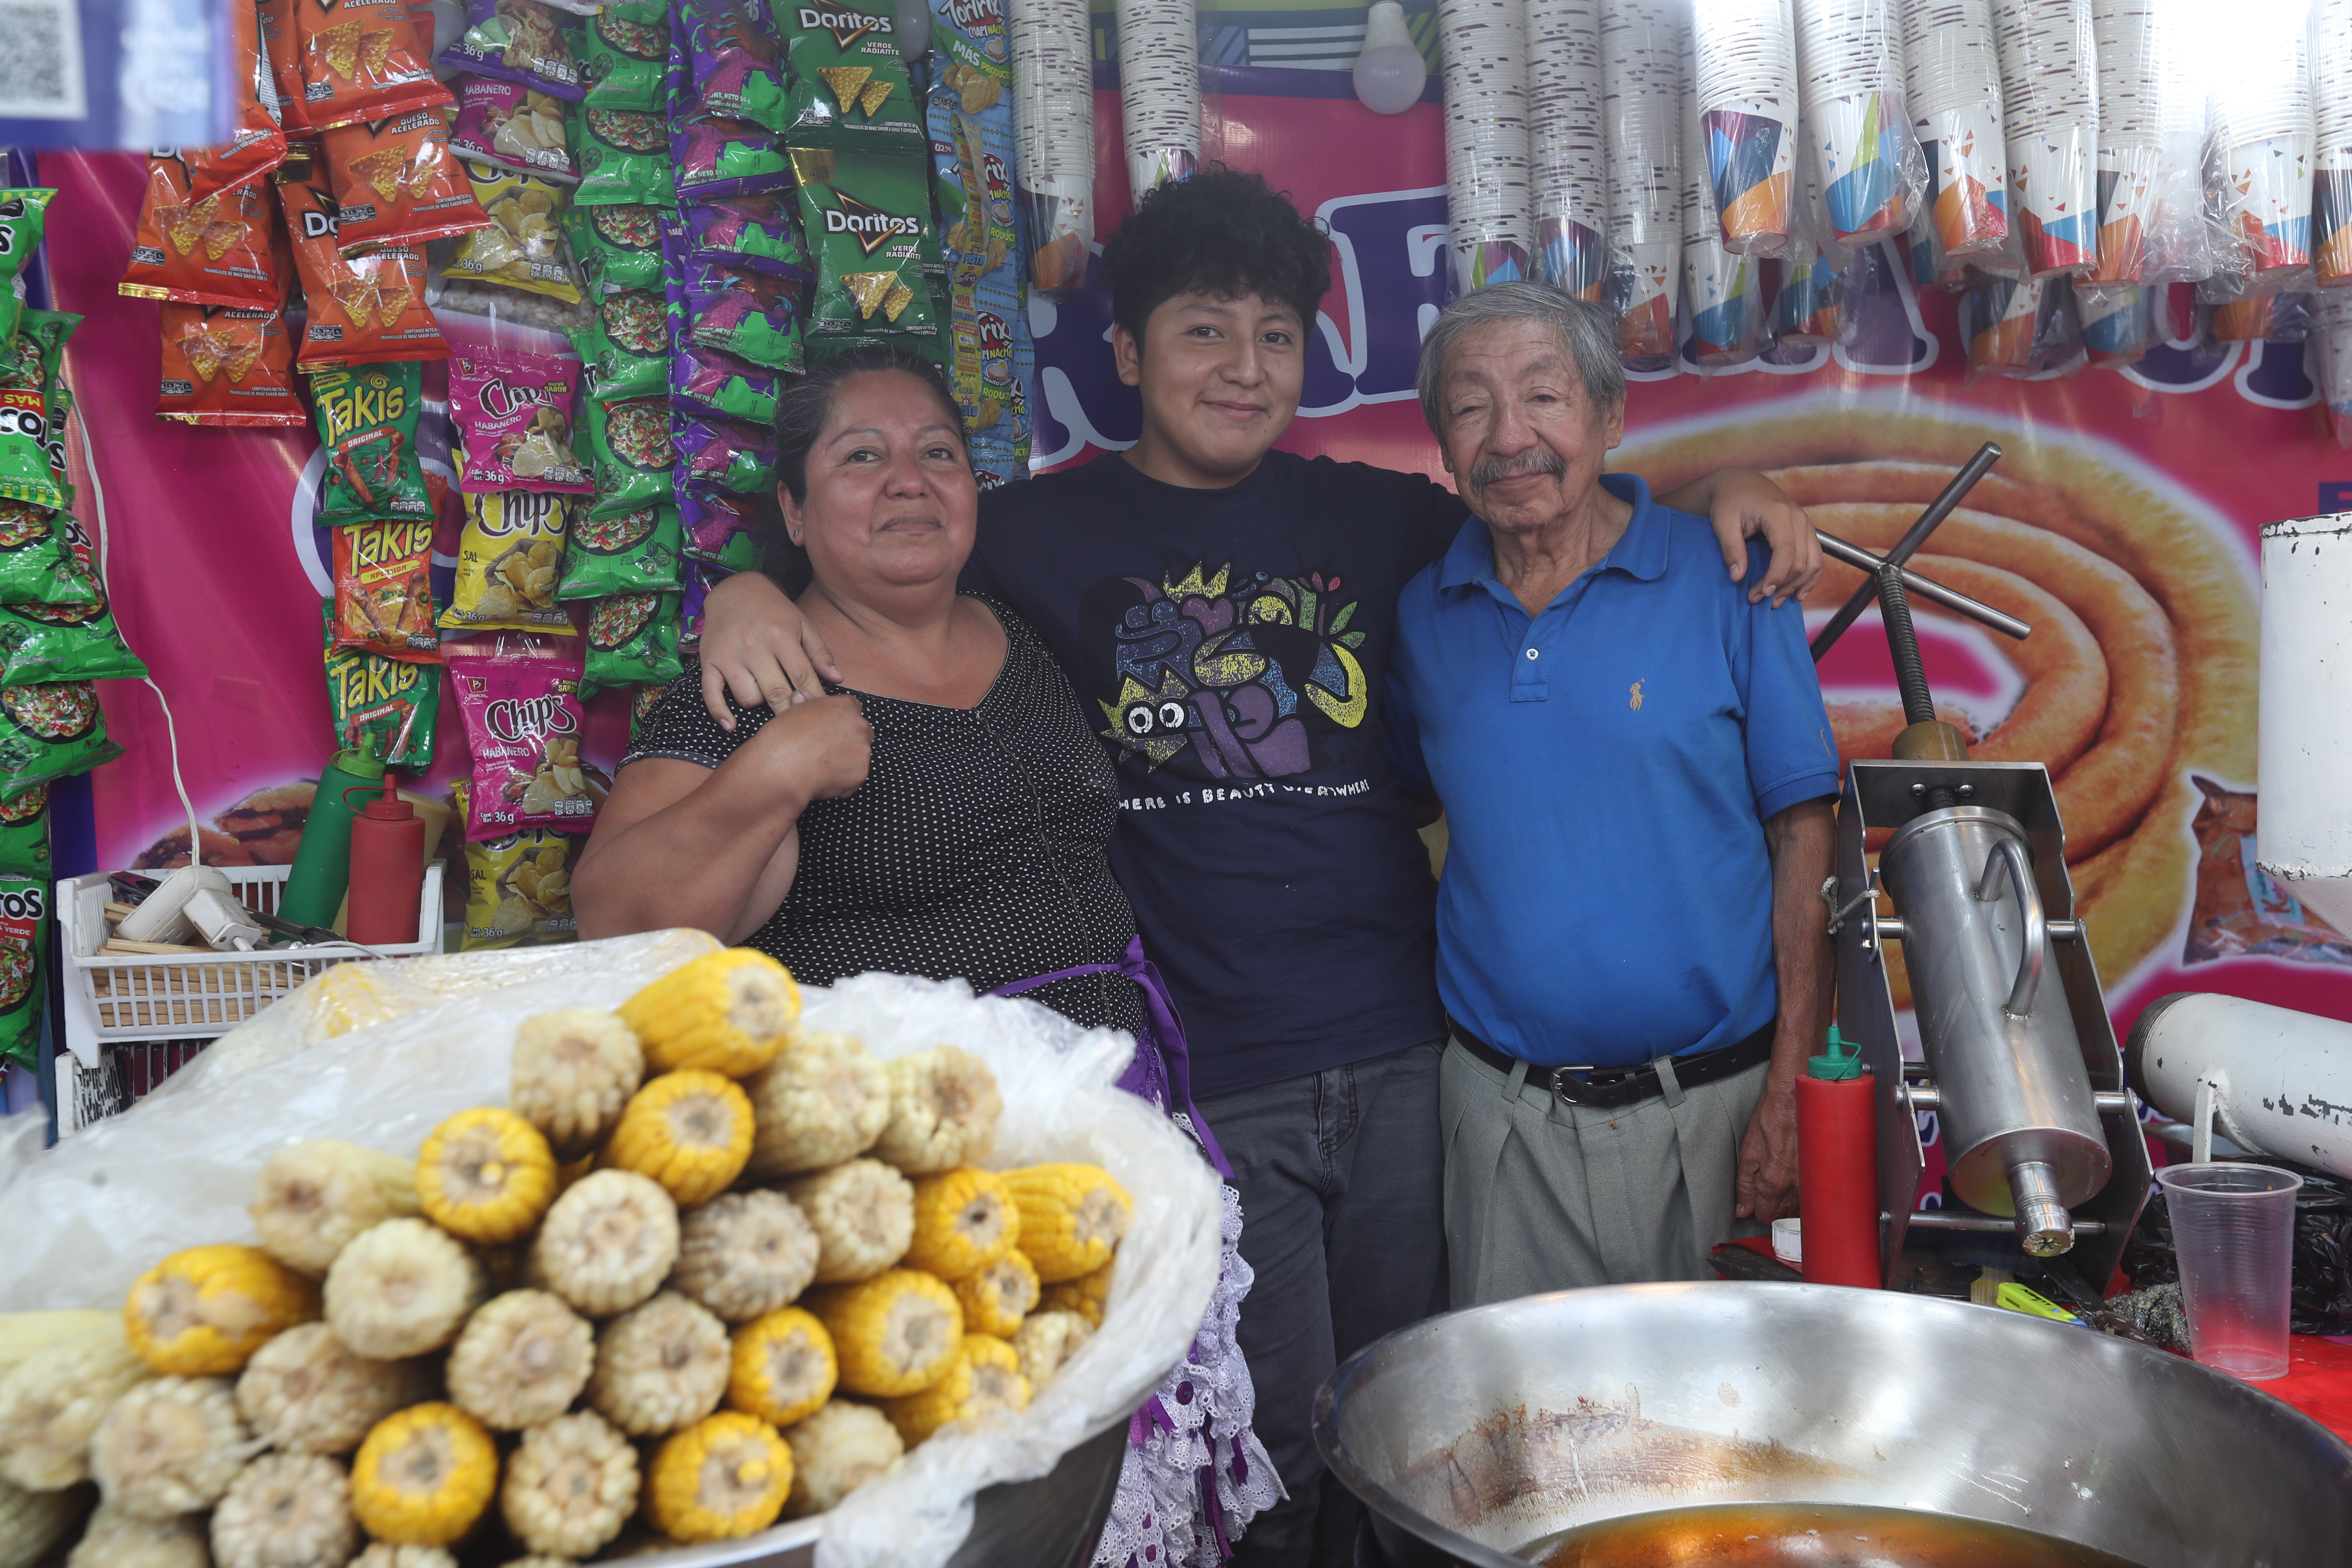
x=1637 y=774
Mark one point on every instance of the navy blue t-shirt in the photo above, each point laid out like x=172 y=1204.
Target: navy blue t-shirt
x=1232 y=647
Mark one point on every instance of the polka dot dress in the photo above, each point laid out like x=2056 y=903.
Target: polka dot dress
x=974 y=850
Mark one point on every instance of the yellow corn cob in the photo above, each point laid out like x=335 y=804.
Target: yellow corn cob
x=1085 y=1295
x=35 y=1525
x=522 y=1359
x=486 y=1174
x=570 y=1485
x=837 y=1450
x=573 y=1071
x=205 y=1310
x=424 y=1476
x=726 y=1476
x=402 y=1288
x=114 y=1539
x=985 y=1378
x=286 y=1510
x=306 y=1392
x=963 y=1223
x=608 y=1242
x=744 y=1255
x=783 y=1367
x=893 y=1335
x=1072 y=1216
x=944 y=1109
x=660 y=1366
x=51 y=1405
x=312 y=1198
x=690 y=1131
x=1045 y=1342
x=728 y=1012
x=22 y=1333
x=996 y=1299
x=171 y=1444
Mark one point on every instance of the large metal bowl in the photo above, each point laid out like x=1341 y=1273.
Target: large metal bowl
x=1480 y=1432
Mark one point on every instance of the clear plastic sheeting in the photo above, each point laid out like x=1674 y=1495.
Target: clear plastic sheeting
x=1850 y=79
x=88 y=1216
x=2050 y=120
x=1159 y=91
x=2131 y=135
x=1569 y=146
x=2331 y=167
x=1743 y=78
x=1488 y=211
x=1721 y=293
x=2263 y=133
x=1953 y=74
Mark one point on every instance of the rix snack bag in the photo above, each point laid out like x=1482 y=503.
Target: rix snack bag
x=509 y=559
x=618 y=247
x=24 y=958
x=623 y=157
x=625 y=55
x=367 y=419
x=629 y=445
x=632 y=638
x=521 y=695
x=35 y=565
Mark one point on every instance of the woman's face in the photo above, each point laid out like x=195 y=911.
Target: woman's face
x=891 y=500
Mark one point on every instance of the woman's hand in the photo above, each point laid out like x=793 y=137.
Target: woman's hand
x=1743 y=505
x=824 y=745
x=756 y=644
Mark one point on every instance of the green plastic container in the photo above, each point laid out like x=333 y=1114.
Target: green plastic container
x=323 y=865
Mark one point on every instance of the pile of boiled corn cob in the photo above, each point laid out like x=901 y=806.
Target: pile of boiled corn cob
x=708 y=1270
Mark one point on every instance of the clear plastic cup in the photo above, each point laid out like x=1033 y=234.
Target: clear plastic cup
x=2233 y=1229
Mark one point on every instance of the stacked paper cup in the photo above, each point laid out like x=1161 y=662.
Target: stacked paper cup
x=1641 y=84
x=1849 y=73
x=1054 y=121
x=2003 y=316
x=2264 y=131
x=1487 y=208
x=2331 y=172
x=2131 y=135
x=2331 y=335
x=2115 y=322
x=1720 y=289
x=1159 y=91
x=1569 y=147
x=1954 y=75
x=2050 y=102
x=1743 y=77
x=1806 y=309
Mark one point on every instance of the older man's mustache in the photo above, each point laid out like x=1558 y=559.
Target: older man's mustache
x=1542 y=460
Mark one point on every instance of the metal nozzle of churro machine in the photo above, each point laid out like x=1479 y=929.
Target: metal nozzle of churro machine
x=2021 y=1067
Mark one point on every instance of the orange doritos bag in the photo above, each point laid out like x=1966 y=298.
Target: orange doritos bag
x=362 y=310
x=259 y=142
x=397 y=182
x=282 y=51
x=361 y=60
x=218 y=249
x=227 y=365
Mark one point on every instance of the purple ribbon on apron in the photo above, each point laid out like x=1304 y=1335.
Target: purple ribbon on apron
x=1161 y=1070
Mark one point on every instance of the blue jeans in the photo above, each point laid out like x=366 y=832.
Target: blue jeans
x=1341 y=1179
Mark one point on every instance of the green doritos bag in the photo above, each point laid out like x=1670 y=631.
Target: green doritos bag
x=849 y=85
x=36 y=566
x=617 y=247
x=625 y=348
x=48 y=733
x=632 y=638
x=47 y=643
x=387 y=708
x=630 y=451
x=636 y=552
x=367 y=420
x=25 y=832
x=623 y=157
x=866 y=217
x=623 y=50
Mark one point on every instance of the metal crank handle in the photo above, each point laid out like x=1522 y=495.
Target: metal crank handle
x=1928 y=588
x=2010 y=853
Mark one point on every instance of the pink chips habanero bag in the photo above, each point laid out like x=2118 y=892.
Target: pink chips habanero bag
x=520 y=697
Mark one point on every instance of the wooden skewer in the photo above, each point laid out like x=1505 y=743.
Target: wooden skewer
x=122 y=945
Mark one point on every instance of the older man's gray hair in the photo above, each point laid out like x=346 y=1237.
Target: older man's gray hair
x=1586 y=334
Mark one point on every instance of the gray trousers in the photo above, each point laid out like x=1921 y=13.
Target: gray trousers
x=1544 y=1197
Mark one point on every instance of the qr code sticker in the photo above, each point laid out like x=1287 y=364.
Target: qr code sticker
x=41 y=65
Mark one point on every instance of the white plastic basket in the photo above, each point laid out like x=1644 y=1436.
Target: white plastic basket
x=166 y=997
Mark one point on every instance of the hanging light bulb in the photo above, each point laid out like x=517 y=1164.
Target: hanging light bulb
x=1390 y=73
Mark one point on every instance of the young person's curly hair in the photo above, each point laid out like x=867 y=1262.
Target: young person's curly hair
x=1221 y=232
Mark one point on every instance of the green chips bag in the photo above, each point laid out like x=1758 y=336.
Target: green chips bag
x=617 y=247
x=24 y=832
x=630 y=452
x=387 y=708
x=865 y=216
x=623 y=157
x=624 y=349
x=367 y=420
x=636 y=552
x=624 y=51
x=47 y=643
x=632 y=639
x=48 y=733
x=35 y=565
x=849 y=85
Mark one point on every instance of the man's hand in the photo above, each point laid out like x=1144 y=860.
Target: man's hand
x=756 y=644
x=1767 y=1153
x=1744 y=505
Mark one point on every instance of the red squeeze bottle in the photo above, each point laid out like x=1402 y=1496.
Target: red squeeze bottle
x=1837 y=1168
x=387 y=870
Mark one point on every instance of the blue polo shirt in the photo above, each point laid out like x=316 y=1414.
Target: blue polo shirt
x=1607 y=769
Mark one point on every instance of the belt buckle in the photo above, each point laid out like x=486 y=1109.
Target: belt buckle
x=1571 y=1091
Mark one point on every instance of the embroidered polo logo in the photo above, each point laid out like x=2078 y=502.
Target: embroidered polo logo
x=1636 y=703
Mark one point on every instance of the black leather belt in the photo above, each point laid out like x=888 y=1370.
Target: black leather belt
x=1607 y=1089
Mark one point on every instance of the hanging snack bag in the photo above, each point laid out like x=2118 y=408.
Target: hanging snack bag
x=363 y=309
x=31 y=361
x=396 y=182
x=214 y=250
x=22 y=220
x=705 y=381
x=513 y=413
x=731 y=63
x=257 y=142
x=716 y=156
x=849 y=85
x=520 y=41
x=24 y=963
x=367 y=421
x=719 y=529
x=630 y=449
x=281 y=50
x=623 y=157
x=227 y=365
x=624 y=351
x=632 y=638
x=755 y=232
x=719 y=454
x=634 y=553
x=751 y=315
x=509 y=559
x=26 y=474
x=35 y=565
x=49 y=643
x=25 y=832
x=617 y=247
x=520 y=697
x=518 y=885
x=48 y=733
x=360 y=61
x=383 y=592
x=517 y=127
x=386 y=708
x=625 y=54
x=523 y=247
x=864 y=216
